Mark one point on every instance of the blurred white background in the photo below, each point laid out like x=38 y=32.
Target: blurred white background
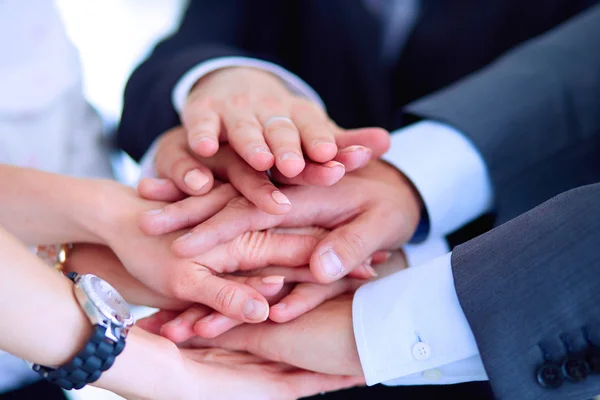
x=113 y=36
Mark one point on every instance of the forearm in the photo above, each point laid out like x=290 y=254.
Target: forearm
x=42 y=322
x=41 y=208
x=40 y=319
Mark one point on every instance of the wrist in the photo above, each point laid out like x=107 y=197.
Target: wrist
x=150 y=367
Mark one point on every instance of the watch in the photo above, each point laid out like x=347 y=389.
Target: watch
x=111 y=318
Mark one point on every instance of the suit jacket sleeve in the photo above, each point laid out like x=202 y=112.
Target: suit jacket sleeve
x=209 y=29
x=529 y=290
x=529 y=108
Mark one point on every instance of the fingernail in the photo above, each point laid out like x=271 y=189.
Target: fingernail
x=272 y=280
x=331 y=263
x=154 y=212
x=290 y=156
x=386 y=256
x=351 y=149
x=175 y=322
x=280 y=198
x=260 y=149
x=256 y=310
x=195 y=179
x=184 y=237
x=280 y=306
x=200 y=139
x=370 y=269
x=331 y=164
x=208 y=318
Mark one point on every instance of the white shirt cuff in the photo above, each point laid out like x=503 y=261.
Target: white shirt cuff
x=411 y=322
x=447 y=170
x=189 y=79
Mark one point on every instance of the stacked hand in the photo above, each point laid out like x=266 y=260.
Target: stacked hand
x=264 y=209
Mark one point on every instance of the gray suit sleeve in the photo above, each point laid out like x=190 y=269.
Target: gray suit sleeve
x=533 y=105
x=530 y=291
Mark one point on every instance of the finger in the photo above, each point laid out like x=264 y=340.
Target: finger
x=211 y=324
x=316 y=131
x=307 y=296
x=363 y=271
x=326 y=174
x=237 y=217
x=254 y=185
x=159 y=190
x=181 y=328
x=203 y=127
x=174 y=161
x=154 y=322
x=187 y=212
x=255 y=249
x=233 y=299
x=376 y=139
x=381 y=257
x=292 y=275
x=349 y=245
x=354 y=157
x=245 y=135
x=283 y=139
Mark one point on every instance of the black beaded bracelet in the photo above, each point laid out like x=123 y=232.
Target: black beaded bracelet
x=97 y=356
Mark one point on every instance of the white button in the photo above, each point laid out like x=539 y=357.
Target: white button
x=421 y=351
x=432 y=374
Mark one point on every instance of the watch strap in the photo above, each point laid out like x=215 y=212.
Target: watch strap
x=97 y=356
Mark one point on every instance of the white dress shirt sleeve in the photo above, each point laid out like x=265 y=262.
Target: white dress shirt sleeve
x=409 y=326
x=447 y=171
x=189 y=79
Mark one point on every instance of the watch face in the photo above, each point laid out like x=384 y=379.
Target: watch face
x=107 y=299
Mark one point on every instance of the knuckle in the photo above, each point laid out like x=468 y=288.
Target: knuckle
x=245 y=125
x=226 y=297
x=180 y=165
x=353 y=245
x=239 y=203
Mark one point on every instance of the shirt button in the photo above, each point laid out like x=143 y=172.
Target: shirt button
x=421 y=351
x=432 y=374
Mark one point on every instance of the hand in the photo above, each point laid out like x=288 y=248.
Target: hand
x=291 y=302
x=371 y=209
x=195 y=279
x=237 y=105
x=193 y=174
x=103 y=262
x=321 y=340
x=151 y=367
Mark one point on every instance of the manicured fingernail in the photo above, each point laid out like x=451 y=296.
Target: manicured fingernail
x=350 y=149
x=273 y=280
x=154 y=212
x=280 y=306
x=280 y=198
x=370 y=269
x=208 y=318
x=386 y=256
x=331 y=263
x=184 y=237
x=195 y=179
x=290 y=156
x=256 y=310
x=332 y=164
x=175 y=322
